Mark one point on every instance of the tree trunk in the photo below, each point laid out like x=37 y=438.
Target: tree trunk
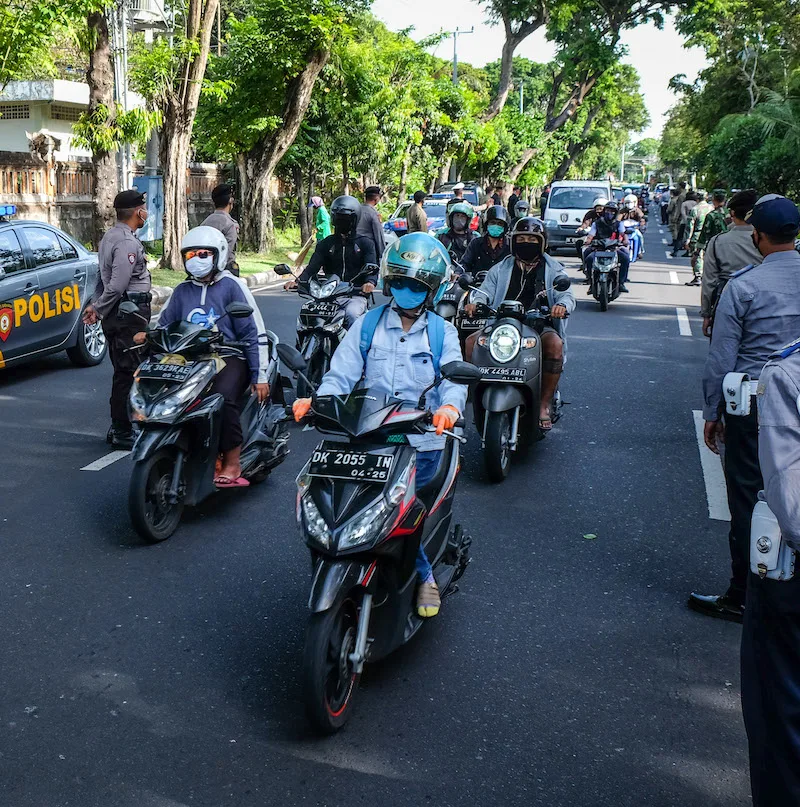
x=302 y=204
x=345 y=175
x=444 y=171
x=100 y=77
x=401 y=192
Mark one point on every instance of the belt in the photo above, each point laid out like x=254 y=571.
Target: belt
x=139 y=297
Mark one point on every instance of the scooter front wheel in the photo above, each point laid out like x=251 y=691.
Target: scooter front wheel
x=153 y=515
x=497 y=451
x=602 y=294
x=329 y=680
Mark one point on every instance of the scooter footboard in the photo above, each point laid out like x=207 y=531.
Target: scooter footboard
x=332 y=578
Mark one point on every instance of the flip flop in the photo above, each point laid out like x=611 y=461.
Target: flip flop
x=545 y=424
x=227 y=482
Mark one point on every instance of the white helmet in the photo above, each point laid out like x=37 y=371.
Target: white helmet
x=204 y=238
x=601 y=201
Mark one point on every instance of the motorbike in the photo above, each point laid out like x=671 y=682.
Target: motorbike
x=178 y=418
x=505 y=402
x=448 y=305
x=363 y=519
x=604 y=276
x=633 y=230
x=466 y=325
x=320 y=322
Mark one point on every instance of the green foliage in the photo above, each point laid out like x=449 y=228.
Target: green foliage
x=101 y=131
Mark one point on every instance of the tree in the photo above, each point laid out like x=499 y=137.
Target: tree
x=647 y=147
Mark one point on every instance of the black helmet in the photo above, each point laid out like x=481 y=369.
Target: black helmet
x=529 y=225
x=345 y=213
x=496 y=214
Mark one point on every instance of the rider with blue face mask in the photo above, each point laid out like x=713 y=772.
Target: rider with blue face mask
x=484 y=252
x=400 y=362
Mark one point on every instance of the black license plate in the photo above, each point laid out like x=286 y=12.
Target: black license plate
x=155 y=371
x=449 y=297
x=515 y=375
x=320 y=309
x=473 y=324
x=358 y=466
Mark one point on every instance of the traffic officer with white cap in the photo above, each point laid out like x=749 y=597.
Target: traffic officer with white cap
x=758 y=313
x=123 y=277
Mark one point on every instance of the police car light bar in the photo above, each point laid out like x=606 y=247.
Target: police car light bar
x=8 y=210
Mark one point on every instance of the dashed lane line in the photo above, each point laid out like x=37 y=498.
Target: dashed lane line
x=683 y=322
x=716 y=492
x=664 y=241
x=668 y=254
x=673 y=278
x=105 y=461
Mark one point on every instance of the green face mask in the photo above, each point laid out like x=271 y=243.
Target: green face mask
x=495 y=230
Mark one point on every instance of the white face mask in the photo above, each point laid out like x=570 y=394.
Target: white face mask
x=200 y=267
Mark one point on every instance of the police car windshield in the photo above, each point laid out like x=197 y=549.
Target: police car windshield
x=433 y=211
x=574 y=198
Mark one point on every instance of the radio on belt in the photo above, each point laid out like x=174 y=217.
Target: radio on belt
x=738 y=389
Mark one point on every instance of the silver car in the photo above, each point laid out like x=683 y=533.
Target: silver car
x=46 y=281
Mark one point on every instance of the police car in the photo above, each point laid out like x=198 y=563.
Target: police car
x=46 y=280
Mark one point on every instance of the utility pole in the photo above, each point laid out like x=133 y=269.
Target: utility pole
x=521 y=94
x=455 y=35
x=622 y=166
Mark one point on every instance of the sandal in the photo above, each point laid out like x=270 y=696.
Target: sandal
x=545 y=424
x=227 y=482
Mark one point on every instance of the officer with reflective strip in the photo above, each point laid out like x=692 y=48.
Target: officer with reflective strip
x=123 y=277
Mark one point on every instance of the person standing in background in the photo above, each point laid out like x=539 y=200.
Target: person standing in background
x=221 y=220
x=688 y=205
x=458 y=196
x=322 y=220
x=716 y=220
x=512 y=202
x=417 y=218
x=369 y=224
x=663 y=205
x=543 y=199
x=497 y=196
x=691 y=235
x=676 y=200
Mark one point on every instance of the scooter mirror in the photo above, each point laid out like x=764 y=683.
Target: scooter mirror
x=238 y=310
x=291 y=357
x=466 y=280
x=562 y=283
x=128 y=307
x=282 y=269
x=461 y=372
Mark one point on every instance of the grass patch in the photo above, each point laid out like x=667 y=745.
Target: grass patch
x=250 y=263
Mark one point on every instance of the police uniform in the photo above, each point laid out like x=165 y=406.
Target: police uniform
x=123 y=277
x=758 y=312
x=223 y=221
x=771 y=631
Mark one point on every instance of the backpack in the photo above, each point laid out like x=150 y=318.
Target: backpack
x=435 y=328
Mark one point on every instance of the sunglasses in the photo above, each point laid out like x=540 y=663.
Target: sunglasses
x=198 y=253
x=407 y=283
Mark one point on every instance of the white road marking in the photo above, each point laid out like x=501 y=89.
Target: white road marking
x=716 y=492
x=664 y=241
x=683 y=322
x=105 y=461
x=668 y=254
x=673 y=278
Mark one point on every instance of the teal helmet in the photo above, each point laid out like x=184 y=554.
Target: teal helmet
x=460 y=207
x=418 y=256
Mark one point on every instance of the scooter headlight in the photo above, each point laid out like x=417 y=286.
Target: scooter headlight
x=504 y=343
x=137 y=405
x=316 y=525
x=365 y=527
x=333 y=327
x=173 y=404
x=324 y=290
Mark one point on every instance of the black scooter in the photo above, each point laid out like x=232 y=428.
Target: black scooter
x=465 y=325
x=363 y=519
x=320 y=322
x=506 y=401
x=604 y=277
x=176 y=449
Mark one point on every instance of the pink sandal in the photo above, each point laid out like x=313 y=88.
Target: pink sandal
x=227 y=482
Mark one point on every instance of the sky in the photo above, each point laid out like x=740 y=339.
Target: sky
x=658 y=55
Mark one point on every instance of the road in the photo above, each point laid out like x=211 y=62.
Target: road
x=567 y=672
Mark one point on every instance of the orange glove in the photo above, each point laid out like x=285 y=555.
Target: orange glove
x=300 y=408
x=445 y=417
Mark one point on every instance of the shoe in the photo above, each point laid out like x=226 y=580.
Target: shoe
x=720 y=606
x=623 y=288
x=121 y=439
x=428 y=600
x=589 y=290
x=695 y=281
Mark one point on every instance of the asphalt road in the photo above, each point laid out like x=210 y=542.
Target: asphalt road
x=568 y=671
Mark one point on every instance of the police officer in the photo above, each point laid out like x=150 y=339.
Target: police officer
x=221 y=219
x=123 y=276
x=771 y=632
x=758 y=312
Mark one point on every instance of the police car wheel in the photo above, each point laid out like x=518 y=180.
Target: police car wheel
x=91 y=346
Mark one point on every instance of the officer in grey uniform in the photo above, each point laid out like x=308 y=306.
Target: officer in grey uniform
x=123 y=277
x=222 y=220
x=758 y=312
x=771 y=632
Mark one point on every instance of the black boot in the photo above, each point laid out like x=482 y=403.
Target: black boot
x=720 y=606
x=120 y=436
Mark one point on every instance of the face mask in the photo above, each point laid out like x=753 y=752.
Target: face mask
x=459 y=223
x=408 y=299
x=527 y=251
x=609 y=216
x=495 y=230
x=200 y=267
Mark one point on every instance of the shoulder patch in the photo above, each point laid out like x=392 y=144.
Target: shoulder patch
x=742 y=271
x=131 y=258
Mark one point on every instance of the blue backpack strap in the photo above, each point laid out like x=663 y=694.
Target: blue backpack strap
x=368 y=325
x=436 y=339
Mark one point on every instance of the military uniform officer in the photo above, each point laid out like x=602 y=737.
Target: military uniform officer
x=771 y=632
x=758 y=312
x=123 y=276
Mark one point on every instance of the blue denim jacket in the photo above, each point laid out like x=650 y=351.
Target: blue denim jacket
x=399 y=364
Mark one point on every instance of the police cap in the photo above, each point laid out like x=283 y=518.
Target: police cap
x=775 y=215
x=125 y=200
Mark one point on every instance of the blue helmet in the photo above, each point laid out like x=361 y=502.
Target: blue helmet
x=419 y=256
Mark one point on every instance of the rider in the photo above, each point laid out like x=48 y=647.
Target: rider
x=521 y=209
x=609 y=228
x=526 y=274
x=484 y=252
x=589 y=219
x=202 y=299
x=346 y=255
x=631 y=212
x=458 y=235
x=400 y=363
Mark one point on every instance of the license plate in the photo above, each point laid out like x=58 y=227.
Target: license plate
x=358 y=466
x=320 y=309
x=515 y=375
x=158 y=371
x=450 y=297
x=473 y=324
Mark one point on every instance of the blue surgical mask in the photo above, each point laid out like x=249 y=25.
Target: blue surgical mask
x=495 y=230
x=408 y=299
x=200 y=267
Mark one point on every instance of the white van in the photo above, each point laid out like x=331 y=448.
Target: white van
x=568 y=203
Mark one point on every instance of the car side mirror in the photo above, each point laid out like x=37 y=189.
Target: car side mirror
x=238 y=310
x=291 y=357
x=127 y=307
x=282 y=269
x=466 y=280
x=562 y=283
x=461 y=372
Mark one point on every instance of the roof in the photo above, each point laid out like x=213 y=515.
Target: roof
x=58 y=90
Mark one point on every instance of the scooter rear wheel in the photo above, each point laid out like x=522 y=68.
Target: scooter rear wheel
x=329 y=681
x=497 y=452
x=153 y=517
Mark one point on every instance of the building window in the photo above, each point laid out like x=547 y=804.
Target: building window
x=15 y=111
x=65 y=112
